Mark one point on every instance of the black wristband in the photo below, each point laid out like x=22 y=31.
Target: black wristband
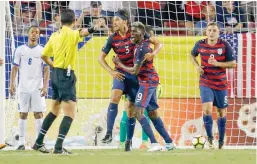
x=91 y=30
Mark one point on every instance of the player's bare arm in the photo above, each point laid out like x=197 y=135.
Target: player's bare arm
x=196 y=64
x=105 y=65
x=157 y=47
x=12 y=80
x=46 y=81
x=133 y=70
x=214 y=62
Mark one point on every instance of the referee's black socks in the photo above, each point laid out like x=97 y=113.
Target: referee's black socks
x=63 y=131
x=45 y=126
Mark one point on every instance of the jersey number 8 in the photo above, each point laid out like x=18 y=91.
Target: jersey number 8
x=30 y=61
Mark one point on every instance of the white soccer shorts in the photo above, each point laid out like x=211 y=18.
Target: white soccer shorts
x=31 y=102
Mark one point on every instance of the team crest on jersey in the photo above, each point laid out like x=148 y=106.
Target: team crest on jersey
x=220 y=51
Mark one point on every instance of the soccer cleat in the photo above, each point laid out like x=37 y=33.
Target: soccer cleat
x=2 y=146
x=62 y=151
x=40 y=148
x=21 y=147
x=170 y=146
x=107 y=139
x=210 y=141
x=155 y=147
x=128 y=145
x=221 y=145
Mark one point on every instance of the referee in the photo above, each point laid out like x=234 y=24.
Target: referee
x=62 y=46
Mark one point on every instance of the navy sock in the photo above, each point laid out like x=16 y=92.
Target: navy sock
x=111 y=115
x=207 y=119
x=159 y=126
x=130 y=128
x=222 y=128
x=147 y=129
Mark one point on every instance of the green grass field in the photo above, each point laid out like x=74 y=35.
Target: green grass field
x=134 y=157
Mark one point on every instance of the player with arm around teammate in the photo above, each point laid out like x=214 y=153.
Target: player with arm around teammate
x=146 y=94
x=216 y=56
x=123 y=81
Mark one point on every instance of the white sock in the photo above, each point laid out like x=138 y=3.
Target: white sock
x=38 y=125
x=22 y=131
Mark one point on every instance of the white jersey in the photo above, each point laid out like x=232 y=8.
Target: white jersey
x=30 y=68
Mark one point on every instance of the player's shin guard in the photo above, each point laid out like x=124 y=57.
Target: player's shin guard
x=207 y=119
x=222 y=128
x=22 y=131
x=49 y=119
x=159 y=126
x=144 y=136
x=147 y=128
x=123 y=127
x=131 y=123
x=111 y=115
x=63 y=131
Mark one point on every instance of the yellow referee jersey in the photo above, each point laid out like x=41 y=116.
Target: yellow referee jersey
x=62 y=45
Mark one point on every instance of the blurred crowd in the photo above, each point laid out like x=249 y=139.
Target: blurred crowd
x=185 y=17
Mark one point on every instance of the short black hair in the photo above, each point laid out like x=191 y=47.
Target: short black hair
x=33 y=27
x=139 y=25
x=124 y=13
x=67 y=17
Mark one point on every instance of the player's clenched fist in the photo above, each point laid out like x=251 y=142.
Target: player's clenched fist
x=117 y=75
x=12 y=89
x=200 y=70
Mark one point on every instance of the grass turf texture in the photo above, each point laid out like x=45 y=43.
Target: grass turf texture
x=134 y=157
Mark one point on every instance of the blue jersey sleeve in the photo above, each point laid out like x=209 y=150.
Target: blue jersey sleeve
x=194 y=51
x=229 y=52
x=140 y=53
x=108 y=45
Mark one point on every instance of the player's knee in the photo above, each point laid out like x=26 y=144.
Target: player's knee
x=38 y=115
x=23 y=116
x=153 y=114
x=207 y=109
x=221 y=112
x=115 y=99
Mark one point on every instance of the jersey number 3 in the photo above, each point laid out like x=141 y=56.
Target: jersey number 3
x=30 y=61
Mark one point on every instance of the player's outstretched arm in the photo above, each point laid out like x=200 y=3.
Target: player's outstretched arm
x=46 y=81
x=12 y=80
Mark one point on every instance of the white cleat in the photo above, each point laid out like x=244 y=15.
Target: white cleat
x=155 y=147
x=170 y=146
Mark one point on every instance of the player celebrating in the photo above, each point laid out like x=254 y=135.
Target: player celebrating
x=123 y=82
x=216 y=56
x=62 y=45
x=31 y=89
x=146 y=95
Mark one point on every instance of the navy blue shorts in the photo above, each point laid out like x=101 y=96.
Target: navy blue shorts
x=146 y=97
x=218 y=97
x=129 y=85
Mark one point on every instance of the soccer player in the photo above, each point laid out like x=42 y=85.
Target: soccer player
x=123 y=122
x=62 y=45
x=146 y=95
x=32 y=89
x=123 y=82
x=216 y=56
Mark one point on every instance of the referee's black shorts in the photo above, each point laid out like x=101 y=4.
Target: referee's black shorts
x=63 y=86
